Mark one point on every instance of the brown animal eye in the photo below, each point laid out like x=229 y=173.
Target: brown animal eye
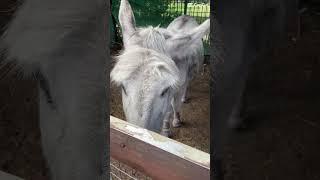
x=164 y=92
x=123 y=89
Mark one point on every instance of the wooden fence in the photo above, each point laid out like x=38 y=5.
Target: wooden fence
x=157 y=156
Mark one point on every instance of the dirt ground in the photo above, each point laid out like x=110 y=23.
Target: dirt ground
x=282 y=142
x=283 y=139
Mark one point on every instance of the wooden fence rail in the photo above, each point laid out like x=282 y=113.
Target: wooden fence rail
x=157 y=156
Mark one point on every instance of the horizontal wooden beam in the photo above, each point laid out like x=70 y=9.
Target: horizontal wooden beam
x=157 y=156
x=6 y=176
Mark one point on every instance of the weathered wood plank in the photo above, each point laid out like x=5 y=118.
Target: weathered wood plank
x=6 y=176
x=157 y=156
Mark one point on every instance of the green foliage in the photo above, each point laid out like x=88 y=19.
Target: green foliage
x=148 y=12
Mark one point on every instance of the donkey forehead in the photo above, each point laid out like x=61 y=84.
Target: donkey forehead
x=145 y=81
x=143 y=87
x=141 y=35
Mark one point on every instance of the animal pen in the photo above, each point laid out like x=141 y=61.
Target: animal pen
x=137 y=153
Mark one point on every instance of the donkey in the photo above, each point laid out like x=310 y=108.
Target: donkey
x=62 y=44
x=147 y=75
x=141 y=82
x=193 y=54
x=189 y=57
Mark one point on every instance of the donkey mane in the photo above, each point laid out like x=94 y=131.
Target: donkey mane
x=153 y=39
x=141 y=60
x=147 y=55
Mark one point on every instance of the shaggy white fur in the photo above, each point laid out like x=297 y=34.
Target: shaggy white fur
x=135 y=60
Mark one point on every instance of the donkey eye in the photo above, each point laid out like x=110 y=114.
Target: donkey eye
x=123 y=89
x=167 y=36
x=164 y=92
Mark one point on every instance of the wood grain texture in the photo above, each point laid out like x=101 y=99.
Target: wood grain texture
x=157 y=156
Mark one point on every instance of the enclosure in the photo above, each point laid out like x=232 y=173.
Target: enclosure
x=195 y=131
x=283 y=99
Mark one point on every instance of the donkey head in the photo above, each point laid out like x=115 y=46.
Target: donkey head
x=146 y=73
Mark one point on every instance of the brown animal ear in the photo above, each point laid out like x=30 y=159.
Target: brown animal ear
x=127 y=20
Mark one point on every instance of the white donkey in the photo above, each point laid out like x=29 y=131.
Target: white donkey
x=188 y=55
x=63 y=43
x=192 y=55
x=148 y=91
x=147 y=75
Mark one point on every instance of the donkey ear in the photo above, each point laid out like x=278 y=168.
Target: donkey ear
x=127 y=21
x=200 y=31
x=183 y=40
